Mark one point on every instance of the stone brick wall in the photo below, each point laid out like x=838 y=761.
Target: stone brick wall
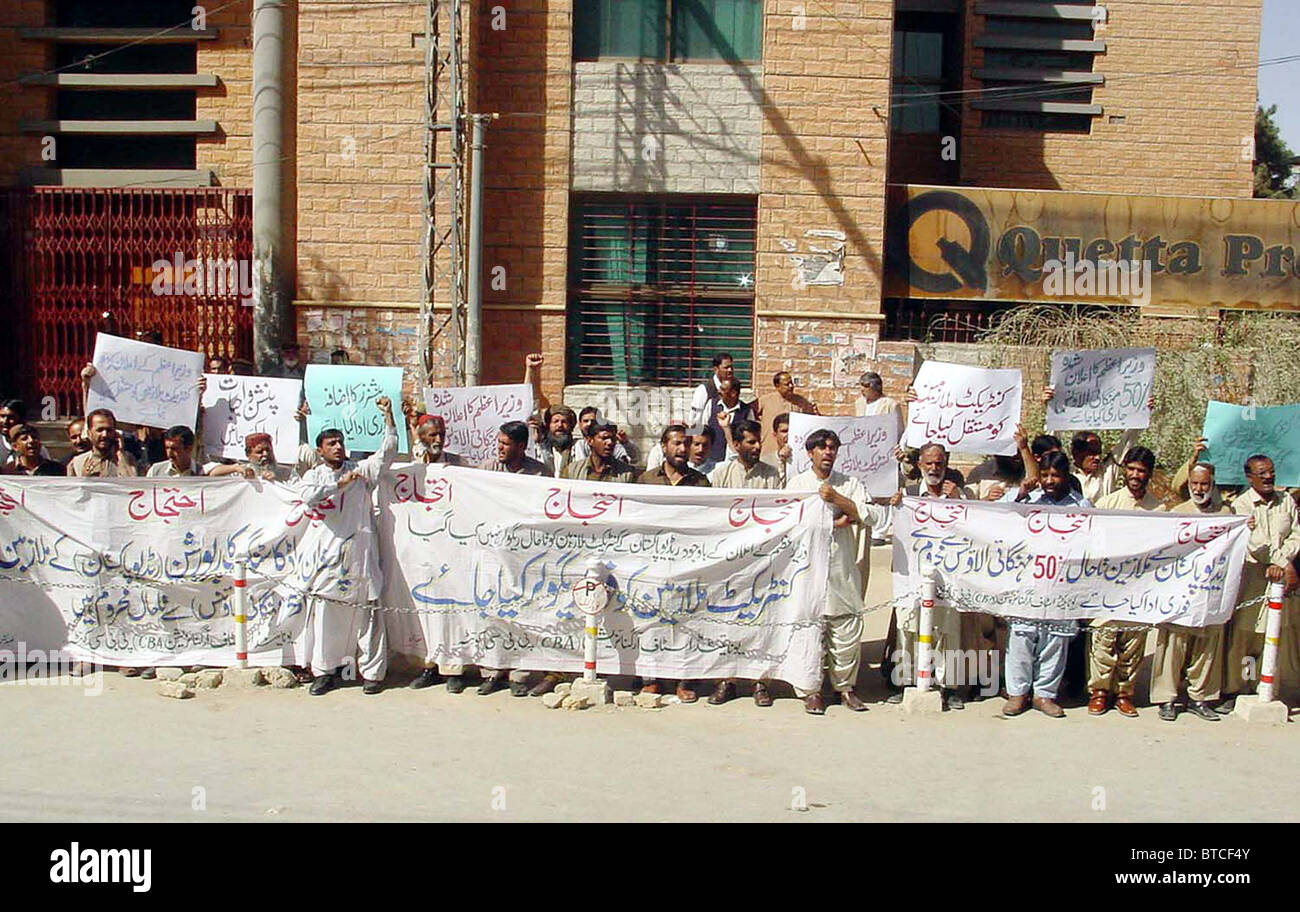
x=823 y=168
x=18 y=57
x=1181 y=135
x=645 y=127
x=230 y=57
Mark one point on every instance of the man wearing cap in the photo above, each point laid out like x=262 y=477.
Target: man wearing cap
x=258 y=448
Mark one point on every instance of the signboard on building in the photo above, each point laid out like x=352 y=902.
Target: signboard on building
x=1047 y=246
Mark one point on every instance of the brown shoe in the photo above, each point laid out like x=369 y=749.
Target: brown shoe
x=1048 y=707
x=1099 y=703
x=725 y=690
x=685 y=694
x=126 y=672
x=852 y=701
x=1124 y=703
x=650 y=687
x=1015 y=705
x=761 y=696
x=814 y=705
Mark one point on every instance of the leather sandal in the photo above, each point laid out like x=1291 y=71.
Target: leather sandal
x=852 y=701
x=685 y=694
x=761 y=696
x=814 y=705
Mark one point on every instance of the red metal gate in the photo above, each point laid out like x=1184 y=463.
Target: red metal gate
x=86 y=260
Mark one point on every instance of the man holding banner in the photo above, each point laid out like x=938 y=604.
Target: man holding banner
x=1274 y=544
x=1116 y=653
x=842 y=613
x=1037 y=650
x=936 y=482
x=1194 y=654
x=334 y=630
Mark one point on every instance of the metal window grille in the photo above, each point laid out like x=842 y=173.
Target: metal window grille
x=658 y=286
x=82 y=261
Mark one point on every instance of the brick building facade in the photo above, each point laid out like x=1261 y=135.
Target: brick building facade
x=723 y=183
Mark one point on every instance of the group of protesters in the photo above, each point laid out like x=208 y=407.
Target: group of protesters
x=725 y=442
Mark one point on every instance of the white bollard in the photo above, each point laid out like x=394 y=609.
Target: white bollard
x=925 y=633
x=1272 y=630
x=241 y=614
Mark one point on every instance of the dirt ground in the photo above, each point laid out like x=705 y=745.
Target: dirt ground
x=129 y=754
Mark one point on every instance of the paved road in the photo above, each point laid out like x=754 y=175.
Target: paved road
x=129 y=754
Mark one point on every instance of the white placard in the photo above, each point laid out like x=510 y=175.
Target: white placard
x=474 y=415
x=967 y=409
x=146 y=384
x=234 y=407
x=866 y=448
x=1099 y=389
x=1060 y=563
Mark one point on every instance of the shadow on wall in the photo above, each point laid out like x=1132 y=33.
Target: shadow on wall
x=514 y=185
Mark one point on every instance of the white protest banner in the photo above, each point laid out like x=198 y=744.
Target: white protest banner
x=146 y=384
x=704 y=584
x=1104 y=388
x=343 y=396
x=1060 y=563
x=970 y=409
x=866 y=448
x=234 y=407
x=474 y=415
x=137 y=571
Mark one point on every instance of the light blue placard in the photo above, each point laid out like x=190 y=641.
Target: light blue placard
x=1238 y=431
x=344 y=397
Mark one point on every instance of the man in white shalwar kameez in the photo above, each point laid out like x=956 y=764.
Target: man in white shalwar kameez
x=334 y=630
x=842 y=613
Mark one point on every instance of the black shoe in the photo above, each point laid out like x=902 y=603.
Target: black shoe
x=148 y=674
x=322 y=684
x=952 y=700
x=1227 y=706
x=455 y=683
x=518 y=688
x=491 y=685
x=370 y=688
x=1203 y=710
x=426 y=678
x=1169 y=712
x=894 y=697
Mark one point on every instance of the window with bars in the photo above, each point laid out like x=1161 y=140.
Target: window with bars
x=657 y=286
x=668 y=30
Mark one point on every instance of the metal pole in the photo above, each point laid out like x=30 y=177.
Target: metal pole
x=924 y=637
x=241 y=614
x=273 y=320
x=1272 y=630
x=474 y=281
